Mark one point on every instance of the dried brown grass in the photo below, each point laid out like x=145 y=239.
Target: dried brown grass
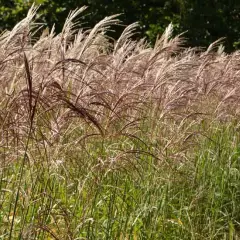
x=82 y=78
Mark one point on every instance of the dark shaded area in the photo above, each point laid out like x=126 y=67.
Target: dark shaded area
x=206 y=21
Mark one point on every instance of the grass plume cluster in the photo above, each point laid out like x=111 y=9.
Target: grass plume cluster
x=114 y=139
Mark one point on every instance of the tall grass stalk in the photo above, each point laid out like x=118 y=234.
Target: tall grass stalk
x=114 y=139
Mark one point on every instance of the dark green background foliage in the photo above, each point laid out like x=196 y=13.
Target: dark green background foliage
x=205 y=21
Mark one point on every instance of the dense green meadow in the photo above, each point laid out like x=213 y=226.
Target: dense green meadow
x=114 y=139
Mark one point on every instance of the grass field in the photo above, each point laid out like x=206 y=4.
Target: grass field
x=114 y=139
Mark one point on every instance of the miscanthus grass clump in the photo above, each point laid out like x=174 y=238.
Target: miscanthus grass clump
x=114 y=139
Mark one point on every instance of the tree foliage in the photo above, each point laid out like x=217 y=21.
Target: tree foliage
x=207 y=21
x=204 y=21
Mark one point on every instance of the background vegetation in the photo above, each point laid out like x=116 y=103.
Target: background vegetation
x=105 y=138
x=205 y=21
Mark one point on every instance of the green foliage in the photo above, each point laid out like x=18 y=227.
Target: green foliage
x=134 y=143
x=207 y=21
x=199 y=200
x=204 y=22
x=12 y=12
